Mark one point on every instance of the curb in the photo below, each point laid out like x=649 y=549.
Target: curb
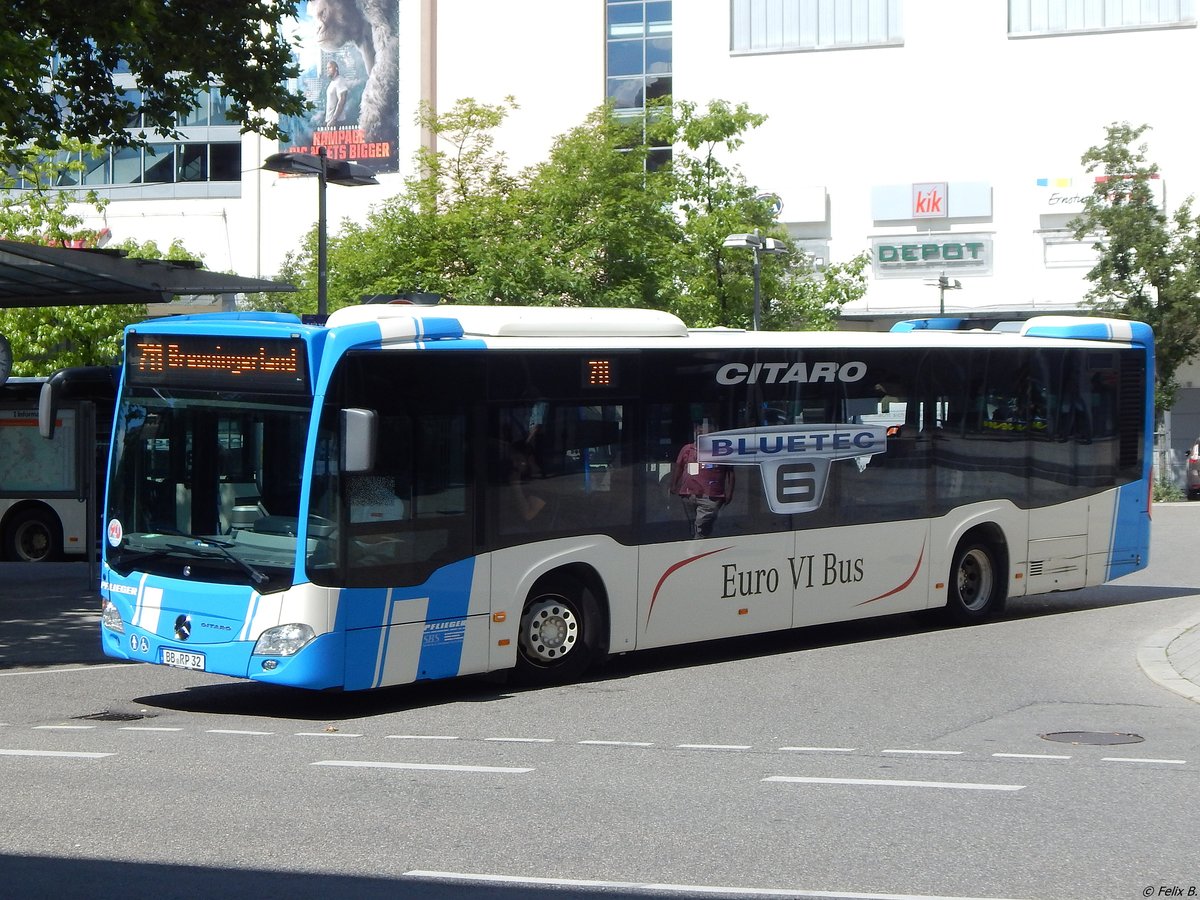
x=1155 y=657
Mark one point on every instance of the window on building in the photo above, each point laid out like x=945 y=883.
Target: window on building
x=96 y=169
x=127 y=165
x=192 y=162
x=770 y=26
x=198 y=115
x=639 y=52
x=165 y=162
x=225 y=162
x=1040 y=17
x=638 y=62
x=220 y=108
x=160 y=164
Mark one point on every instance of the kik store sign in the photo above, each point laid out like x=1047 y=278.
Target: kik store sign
x=908 y=255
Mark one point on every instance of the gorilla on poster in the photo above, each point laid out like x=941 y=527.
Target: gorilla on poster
x=349 y=57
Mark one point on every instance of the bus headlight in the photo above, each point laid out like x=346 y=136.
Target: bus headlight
x=284 y=640
x=111 y=618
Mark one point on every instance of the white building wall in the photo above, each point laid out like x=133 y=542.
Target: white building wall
x=957 y=101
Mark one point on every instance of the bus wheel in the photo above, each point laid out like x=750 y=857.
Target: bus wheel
x=976 y=590
x=557 y=638
x=33 y=536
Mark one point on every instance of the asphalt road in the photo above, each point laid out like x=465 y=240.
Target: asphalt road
x=889 y=758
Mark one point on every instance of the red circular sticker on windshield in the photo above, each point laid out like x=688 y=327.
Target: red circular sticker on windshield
x=115 y=533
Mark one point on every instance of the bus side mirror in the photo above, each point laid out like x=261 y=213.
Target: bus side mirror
x=359 y=436
x=48 y=407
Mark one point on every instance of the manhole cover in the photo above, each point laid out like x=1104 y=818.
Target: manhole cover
x=112 y=717
x=1098 y=738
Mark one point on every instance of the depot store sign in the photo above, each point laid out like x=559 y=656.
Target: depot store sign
x=908 y=255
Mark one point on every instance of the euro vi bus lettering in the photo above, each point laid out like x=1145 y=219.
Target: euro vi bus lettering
x=806 y=572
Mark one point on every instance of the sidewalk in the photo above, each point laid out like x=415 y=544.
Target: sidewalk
x=1172 y=658
x=50 y=615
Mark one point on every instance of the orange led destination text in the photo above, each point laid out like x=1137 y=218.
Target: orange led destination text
x=157 y=358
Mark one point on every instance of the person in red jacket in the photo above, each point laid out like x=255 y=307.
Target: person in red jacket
x=702 y=487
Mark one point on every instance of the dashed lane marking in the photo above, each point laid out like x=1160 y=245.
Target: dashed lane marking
x=879 y=782
x=422 y=767
x=1030 y=756
x=68 y=754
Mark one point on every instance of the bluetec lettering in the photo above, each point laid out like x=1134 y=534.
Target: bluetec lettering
x=791 y=444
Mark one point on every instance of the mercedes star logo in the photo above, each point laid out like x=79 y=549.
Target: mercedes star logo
x=183 y=627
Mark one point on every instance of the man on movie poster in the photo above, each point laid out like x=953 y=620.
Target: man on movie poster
x=349 y=55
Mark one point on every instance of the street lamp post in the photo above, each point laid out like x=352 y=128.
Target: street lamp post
x=945 y=284
x=327 y=171
x=759 y=245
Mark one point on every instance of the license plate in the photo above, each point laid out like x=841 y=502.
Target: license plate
x=181 y=660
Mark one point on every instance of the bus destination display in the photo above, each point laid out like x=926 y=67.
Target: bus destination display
x=212 y=361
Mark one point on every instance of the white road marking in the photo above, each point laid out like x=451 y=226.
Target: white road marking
x=61 y=671
x=63 y=727
x=1030 y=756
x=618 y=743
x=339 y=734
x=146 y=728
x=880 y=782
x=238 y=731
x=684 y=889
x=1132 y=759
x=819 y=749
x=65 y=753
x=421 y=737
x=712 y=746
x=519 y=740
x=927 y=752
x=423 y=767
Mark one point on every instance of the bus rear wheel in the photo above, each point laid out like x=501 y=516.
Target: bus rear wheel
x=557 y=640
x=977 y=590
x=33 y=536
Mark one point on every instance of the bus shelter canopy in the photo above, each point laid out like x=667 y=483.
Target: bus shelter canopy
x=36 y=275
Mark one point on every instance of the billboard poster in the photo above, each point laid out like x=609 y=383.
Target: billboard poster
x=349 y=57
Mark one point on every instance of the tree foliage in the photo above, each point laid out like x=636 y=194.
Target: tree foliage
x=59 y=58
x=48 y=338
x=1149 y=262
x=591 y=225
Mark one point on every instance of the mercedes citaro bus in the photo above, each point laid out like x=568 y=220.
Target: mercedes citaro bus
x=419 y=492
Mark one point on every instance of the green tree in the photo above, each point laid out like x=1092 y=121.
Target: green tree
x=598 y=227
x=1148 y=266
x=58 y=60
x=32 y=209
x=714 y=200
x=592 y=225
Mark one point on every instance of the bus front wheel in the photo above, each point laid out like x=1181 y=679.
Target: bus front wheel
x=33 y=536
x=557 y=640
x=977 y=589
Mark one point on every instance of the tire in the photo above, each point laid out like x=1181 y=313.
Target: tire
x=977 y=588
x=33 y=536
x=559 y=633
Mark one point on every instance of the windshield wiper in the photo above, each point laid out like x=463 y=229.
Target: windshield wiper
x=202 y=544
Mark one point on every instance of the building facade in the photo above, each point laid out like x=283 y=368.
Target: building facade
x=944 y=137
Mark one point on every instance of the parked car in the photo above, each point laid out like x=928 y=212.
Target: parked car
x=1193 y=472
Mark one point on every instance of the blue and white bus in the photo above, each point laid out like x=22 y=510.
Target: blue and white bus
x=412 y=492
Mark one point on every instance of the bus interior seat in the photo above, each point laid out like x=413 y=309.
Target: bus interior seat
x=240 y=507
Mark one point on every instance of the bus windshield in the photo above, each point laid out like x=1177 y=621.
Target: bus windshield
x=207 y=487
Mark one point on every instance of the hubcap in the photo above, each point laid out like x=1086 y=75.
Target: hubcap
x=33 y=542
x=549 y=630
x=975 y=580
